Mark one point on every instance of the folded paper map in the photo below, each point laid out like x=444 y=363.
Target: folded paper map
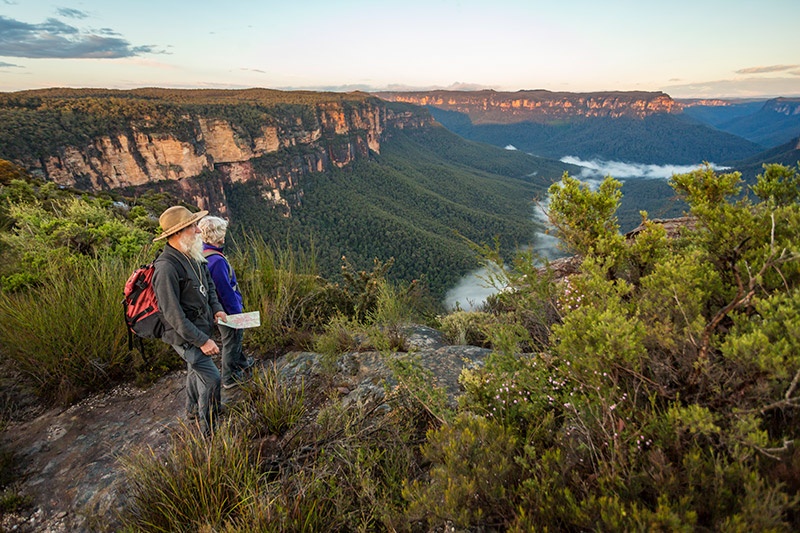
x=243 y=320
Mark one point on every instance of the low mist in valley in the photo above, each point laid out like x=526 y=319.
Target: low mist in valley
x=473 y=289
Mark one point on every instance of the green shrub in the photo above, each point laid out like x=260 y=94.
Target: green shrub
x=13 y=502
x=602 y=332
x=473 y=480
x=64 y=231
x=673 y=299
x=667 y=394
x=585 y=219
x=768 y=341
x=517 y=392
x=525 y=295
x=10 y=500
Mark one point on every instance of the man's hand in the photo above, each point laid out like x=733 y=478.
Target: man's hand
x=210 y=348
x=220 y=316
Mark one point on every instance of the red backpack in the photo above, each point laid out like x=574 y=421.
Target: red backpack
x=142 y=315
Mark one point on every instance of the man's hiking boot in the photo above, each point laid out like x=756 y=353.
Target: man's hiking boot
x=237 y=379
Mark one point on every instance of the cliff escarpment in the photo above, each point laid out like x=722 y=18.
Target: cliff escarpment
x=784 y=106
x=492 y=107
x=771 y=125
x=631 y=126
x=193 y=143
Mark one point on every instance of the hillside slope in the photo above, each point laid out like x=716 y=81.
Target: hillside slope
x=415 y=202
x=786 y=154
x=719 y=111
x=770 y=123
x=656 y=139
x=774 y=124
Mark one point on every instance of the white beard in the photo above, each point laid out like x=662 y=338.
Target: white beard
x=192 y=245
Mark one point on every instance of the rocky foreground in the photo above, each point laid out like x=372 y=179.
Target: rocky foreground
x=69 y=457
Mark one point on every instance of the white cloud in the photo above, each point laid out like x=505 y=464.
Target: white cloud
x=470 y=293
x=472 y=290
x=767 y=69
x=751 y=87
x=596 y=169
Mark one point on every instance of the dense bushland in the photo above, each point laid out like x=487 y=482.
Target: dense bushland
x=665 y=394
x=654 y=389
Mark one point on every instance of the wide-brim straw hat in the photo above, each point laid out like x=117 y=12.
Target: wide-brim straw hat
x=175 y=219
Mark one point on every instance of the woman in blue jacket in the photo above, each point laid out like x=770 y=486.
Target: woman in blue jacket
x=234 y=363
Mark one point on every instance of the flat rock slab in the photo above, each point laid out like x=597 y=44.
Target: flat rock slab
x=69 y=456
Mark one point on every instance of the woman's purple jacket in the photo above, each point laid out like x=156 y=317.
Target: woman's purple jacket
x=224 y=278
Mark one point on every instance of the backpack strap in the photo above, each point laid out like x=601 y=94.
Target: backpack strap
x=208 y=252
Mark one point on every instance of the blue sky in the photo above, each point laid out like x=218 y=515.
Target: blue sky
x=698 y=48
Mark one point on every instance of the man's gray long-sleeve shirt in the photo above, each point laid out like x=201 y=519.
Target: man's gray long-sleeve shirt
x=187 y=313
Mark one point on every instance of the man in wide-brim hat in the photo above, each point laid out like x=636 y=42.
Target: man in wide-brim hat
x=189 y=309
x=177 y=218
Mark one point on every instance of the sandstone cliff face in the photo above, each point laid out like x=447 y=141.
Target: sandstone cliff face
x=124 y=160
x=335 y=135
x=485 y=107
x=784 y=106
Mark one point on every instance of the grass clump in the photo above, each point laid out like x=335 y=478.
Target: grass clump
x=467 y=327
x=199 y=484
x=334 y=470
x=68 y=336
x=285 y=287
x=271 y=405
